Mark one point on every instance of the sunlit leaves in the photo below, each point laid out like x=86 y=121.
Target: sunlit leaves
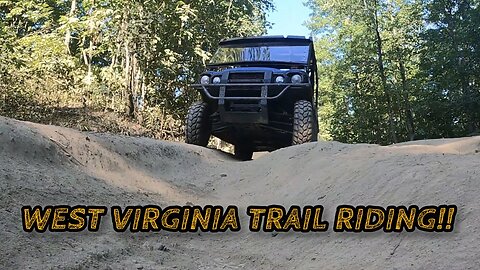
x=109 y=53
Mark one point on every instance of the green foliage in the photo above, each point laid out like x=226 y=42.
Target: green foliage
x=390 y=70
x=397 y=70
x=451 y=62
x=133 y=57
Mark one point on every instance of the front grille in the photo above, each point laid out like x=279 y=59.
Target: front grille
x=243 y=92
x=247 y=77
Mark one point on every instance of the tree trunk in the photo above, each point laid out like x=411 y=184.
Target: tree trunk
x=68 y=35
x=381 y=69
x=406 y=102
x=128 y=82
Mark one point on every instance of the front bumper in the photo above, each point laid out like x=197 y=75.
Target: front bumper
x=245 y=109
x=265 y=89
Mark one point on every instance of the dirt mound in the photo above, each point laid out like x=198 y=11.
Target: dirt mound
x=47 y=165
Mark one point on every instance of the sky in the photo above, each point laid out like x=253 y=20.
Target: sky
x=289 y=17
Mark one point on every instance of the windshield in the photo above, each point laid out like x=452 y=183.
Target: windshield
x=294 y=54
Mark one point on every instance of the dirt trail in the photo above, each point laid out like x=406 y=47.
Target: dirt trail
x=47 y=165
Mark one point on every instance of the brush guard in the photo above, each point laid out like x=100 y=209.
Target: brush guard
x=251 y=112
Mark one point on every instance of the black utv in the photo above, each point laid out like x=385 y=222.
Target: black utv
x=259 y=94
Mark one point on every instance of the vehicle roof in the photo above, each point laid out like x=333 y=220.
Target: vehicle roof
x=267 y=40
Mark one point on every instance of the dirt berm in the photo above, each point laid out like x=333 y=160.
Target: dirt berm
x=48 y=165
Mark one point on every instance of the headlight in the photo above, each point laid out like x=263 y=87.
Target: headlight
x=216 y=80
x=205 y=79
x=296 y=78
x=279 y=79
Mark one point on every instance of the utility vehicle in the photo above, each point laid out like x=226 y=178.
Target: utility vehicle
x=259 y=94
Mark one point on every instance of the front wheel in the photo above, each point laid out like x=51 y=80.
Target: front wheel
x=305 y=124
x=197 y=129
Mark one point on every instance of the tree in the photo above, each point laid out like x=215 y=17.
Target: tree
x=133 y=57
x=372 y=56
x=450 y=99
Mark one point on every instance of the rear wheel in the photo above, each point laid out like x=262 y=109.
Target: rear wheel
x=197 y=130
x=243 y=152
x=305 y=124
